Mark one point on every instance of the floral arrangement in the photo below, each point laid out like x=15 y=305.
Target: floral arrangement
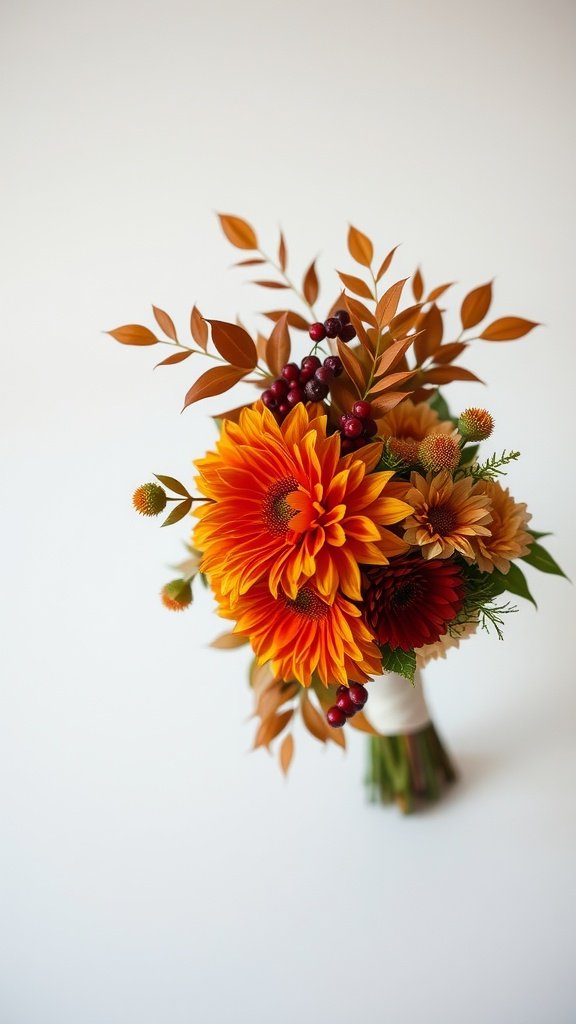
x=344 y=520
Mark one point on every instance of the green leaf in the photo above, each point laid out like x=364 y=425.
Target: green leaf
x=537 y=535
x=399 y=661
x=177 y=513
x=542 y=560
x=468 y=455
x=439 y=404
x=173 y=485
x=514 y=581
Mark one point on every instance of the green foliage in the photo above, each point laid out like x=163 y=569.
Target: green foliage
x=540 y=559
x=439 y=404
x=480 y=606
x=490 y=469
x=514 y=581
x=401 y=662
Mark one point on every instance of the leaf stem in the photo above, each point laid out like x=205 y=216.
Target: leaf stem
x=300 y=295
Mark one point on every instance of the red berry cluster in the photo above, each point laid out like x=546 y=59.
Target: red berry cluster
x=357 y=427
x=349 y=700
x=308 y=382
x=337 y=326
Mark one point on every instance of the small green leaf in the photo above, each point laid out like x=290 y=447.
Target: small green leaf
x=468 y=455
x=514 y=581
x=536 y=534
x=173 y=485
x=542 y=560
x=399 y=661
x=178 y=513
x=439 y=404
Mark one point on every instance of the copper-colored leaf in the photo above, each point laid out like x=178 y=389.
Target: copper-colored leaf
x=352 y=366
x=271 y=727
x=438 y=291
x=507 y=328
x=392 y=355
x=178 y=512
x=417 y=285
x=234 y=344
x=313 y=720
x=165 y=322
x=386 y=263
x=228 y=641
x=384 y=403
x=214 y=382
x=356 y=285
x=239 y=232
x=173 y=485
x=432 y=330
x=278 y=347
x=310 y=285
x=231 y=414
x=391 y=380
x=360 y=311
x=198 y=328
x=282 y=252
x=476 y=305
x=446 y=374
x=360 y=722
x=133 y=334
x=273 y=697
x=446 y=353
x=271 y=284
x=360 y=247
x=286 y=752
x=405 y=321
x=388 y=304
x=257 y=261
x=176 y=357
x=294 y=319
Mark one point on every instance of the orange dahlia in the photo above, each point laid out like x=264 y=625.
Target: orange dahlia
x=304 y=635
x=508 y=537
x=285 y=506
x=447 y=515
x=408 y=424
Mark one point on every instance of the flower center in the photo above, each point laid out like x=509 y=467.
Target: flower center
x=276 y=511
x=308 y=604
x=442 y=519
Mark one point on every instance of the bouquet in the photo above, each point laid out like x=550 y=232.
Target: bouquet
x=345 y=522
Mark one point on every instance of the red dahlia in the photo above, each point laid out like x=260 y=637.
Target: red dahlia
x=411 y=601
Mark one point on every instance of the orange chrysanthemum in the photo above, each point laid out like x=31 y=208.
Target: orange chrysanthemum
x=509 y=537
x=305 y=635
x=408 y=424
x=286 y=507
x=447 y=515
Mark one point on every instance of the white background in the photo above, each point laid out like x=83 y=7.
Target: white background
x=153 y=870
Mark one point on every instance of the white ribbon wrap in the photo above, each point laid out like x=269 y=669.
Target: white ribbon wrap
x=395 y=705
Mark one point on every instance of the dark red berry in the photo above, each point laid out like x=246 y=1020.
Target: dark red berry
x=317 y=332
x=269 y=399
x=334 y=363
x=346 y=704
x=291 y=371
x=294 y=396
x=284 y=408
x=370 y=428
x=306 y=374
x=343 y=316
x=333 y=327
x=335 y=717
x=315 y=391
x=347 y=332
x=324 y=374
x=358 y=694
x=311 y=362
x=340 y=690
x=362 y=409
x=345 y=417
x=279 y=388
x=347 y=445
x=353 y=427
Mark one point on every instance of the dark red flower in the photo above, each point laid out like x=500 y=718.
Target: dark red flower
x=411 y=601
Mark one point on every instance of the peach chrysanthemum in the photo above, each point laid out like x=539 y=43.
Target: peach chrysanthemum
x=447 y=515
x=286 y=507
x=509 y=537
x=408 y=424
x=304 y=635
x=430 y=652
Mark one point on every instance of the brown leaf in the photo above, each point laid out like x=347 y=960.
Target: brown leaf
x=360 y=310
x=352 y=366
x=176 y=357
x=271 y=727
x=278 y=347
x=234 y=344
x=356 y=285
x=178 y=512
x=384 y=403
x=446 y=374
x=282 y=252
x=214 y=382
x=432 y=330
x=313 y=720
x=476 y=305
x=310 y=285
x=388 y=304
x=239 y=232
x=391 y=380
x=165 y=322
x=133 y=334
x=249 y=263
x=360 y=722
x=438 y=291
x=405 y=321
x=392 y=355
x=386 y=263
x=446 y=353
x=286 y=752
x=273 y=697
x=198 y=328
x=417 y=285
x=271 y=284
x=228 y=641
x=360 y=247
x=507 y=328
x=294 y=319
x=173 y=485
